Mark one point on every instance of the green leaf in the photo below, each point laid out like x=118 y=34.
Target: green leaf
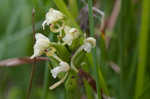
x=71 y=86
x=142 y=48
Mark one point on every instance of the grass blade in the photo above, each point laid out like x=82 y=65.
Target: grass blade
x=142 y=50
x=73 y=7
x=91 y=26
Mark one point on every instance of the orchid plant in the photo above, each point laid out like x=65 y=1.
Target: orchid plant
x=66 y=50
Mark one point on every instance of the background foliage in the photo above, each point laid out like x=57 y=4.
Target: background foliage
x=128 y=48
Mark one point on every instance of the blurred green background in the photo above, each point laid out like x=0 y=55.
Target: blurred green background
x=128 y=48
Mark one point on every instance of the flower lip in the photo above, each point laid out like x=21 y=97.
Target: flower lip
x=63 y=67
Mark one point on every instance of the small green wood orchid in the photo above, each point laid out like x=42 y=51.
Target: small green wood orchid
x=61 y=50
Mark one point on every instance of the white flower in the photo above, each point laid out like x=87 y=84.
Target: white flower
x=70 y=35
x=52 y=16
x=63 y=67
x=89 y=43
x=75 y=33
x=41 y=44
x=68 y=39
x=87 y=47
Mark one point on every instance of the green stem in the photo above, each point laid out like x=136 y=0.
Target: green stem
x=91 y=19
x=104 y=86
x=88 y=90
x=46 y=78
x=73 y=57
x=46 y=75
x=91 y=26
x=142 y=50
x=97 y=69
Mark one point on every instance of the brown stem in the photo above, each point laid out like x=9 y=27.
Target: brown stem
x=89 y=79
x=34 y=63
x=110 y=22
x=20 y=60
x=33 y=24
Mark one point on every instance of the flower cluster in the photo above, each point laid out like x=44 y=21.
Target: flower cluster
x=66 y=35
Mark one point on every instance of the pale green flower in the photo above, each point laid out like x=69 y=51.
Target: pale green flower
x=52 y=16
x=41 y=44
x=89 y=43
x=70 y=35
x=63 y=67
